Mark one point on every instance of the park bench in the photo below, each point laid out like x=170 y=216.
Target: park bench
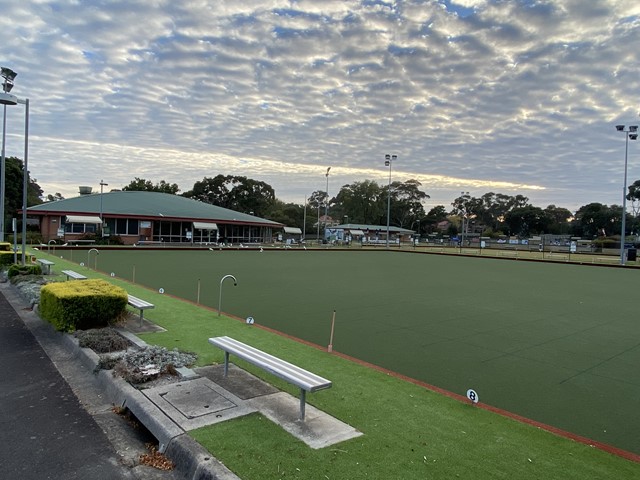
x=46 y=265
x=606 y=260
x=303 y=379
x=140 y=304
x=75 y=275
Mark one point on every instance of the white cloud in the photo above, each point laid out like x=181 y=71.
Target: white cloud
x=518 y=97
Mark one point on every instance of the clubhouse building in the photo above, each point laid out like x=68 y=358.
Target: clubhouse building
x=149 y=217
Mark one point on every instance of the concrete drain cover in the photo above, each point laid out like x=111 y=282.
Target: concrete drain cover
x=195 y=399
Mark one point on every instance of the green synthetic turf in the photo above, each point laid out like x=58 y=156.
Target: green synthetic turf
x=555 y=343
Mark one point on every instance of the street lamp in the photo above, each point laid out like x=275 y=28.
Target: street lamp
x=5 y=99
x=629 y=134
x=102 y=184
x=388 y=160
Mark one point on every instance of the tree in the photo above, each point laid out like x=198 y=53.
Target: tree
x=495 y=206
x=363 y=202
x=434 y=216
x=560 y=219
x=54 y=198
x=526 y=221
x=318 y=199
x=406 y=203
x=596 y=219
x=142 y=185
x=289 y=214
x=14 y=180
x=634 y=197
x=237 y=193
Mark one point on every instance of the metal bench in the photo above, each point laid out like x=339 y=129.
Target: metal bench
x=75 y=275
x=46 y=265
x=140 y=304
x=305 y=380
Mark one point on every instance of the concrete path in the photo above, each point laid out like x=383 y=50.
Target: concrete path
x=46 y=431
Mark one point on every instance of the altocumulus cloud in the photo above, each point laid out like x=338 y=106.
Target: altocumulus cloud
x=472 y=95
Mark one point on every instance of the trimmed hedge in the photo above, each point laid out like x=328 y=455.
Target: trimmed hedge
x=82 y=304
x=6 y=258
x=15 y=270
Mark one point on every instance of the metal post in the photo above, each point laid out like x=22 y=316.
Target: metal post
x=25 y=179
x=226 y=363
x=2 y=172
x=102 y=184
x=303 y=403
x=388 y=161
x=624 y=200
x=326 y=203
x=235 y=284
x=629 y=133
x=304 y=220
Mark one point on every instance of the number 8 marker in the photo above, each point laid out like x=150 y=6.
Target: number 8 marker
x=472 y=395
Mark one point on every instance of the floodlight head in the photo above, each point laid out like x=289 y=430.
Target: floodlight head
x=633 y=128
x=393 y=157
x=387 y=163
x=633 y=136
x=8 y=74
x=620 y=128
x=387 y=157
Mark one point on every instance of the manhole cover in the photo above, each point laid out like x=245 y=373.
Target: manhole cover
x=196 y=400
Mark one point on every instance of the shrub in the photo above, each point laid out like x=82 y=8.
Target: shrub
x=6 y=258
x=16 y=269
x=134 y=366
x=82 y=304
x=102 y=340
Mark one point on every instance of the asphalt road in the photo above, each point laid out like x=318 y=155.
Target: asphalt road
x=54 y=423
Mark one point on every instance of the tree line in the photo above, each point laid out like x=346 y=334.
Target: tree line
x=365 y=203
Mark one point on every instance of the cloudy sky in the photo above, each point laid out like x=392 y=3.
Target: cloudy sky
x=515 y=97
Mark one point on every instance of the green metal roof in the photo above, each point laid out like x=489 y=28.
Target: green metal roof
x=149 y=205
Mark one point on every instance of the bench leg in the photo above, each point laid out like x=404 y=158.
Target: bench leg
x=226 y=363
x=141 y=311
x=303 y=402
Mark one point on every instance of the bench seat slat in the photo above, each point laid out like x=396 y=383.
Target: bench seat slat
x=139 y=303
x=303 y=379
x=75 y=275
x=278 y=367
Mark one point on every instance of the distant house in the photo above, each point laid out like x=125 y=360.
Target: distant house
x=149 y=216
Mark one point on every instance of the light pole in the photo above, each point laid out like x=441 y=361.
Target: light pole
x=326 y=205
x=5 y=99
x=102 y=184
x=25 y=177
x=629 y=134
x=304 y=220
x=464 y=196
x=388 y=160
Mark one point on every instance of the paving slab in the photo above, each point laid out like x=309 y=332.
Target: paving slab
x=318 y=429
x=196 y=403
